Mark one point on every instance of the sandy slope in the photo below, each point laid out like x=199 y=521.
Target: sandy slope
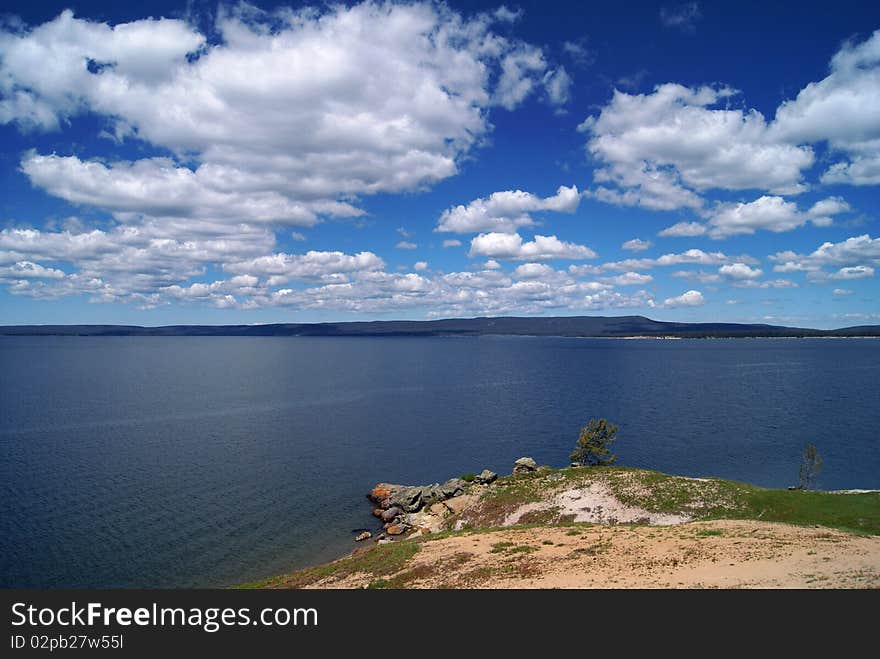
x=719 y=554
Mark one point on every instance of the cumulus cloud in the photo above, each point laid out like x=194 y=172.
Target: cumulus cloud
x=629 y=279
x=771 y=214
x=156 y=187
x=687 y=299
x=853 y=258
x=840 y=109
x=451 y=243
x=636 y=245
x=690 y=257
x=406 y=244
x=683 y=230
x=660 y=150
x=281 y=119
x=505 y=211
x=511 y=246
x=740 y=271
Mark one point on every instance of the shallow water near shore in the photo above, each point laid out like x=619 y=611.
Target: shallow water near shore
x=210 y=461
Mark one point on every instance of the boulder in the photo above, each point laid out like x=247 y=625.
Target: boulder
x=396 y=529
x=524 y=465
x=485 y=477
x=453 y=487
x=377 y=512
x=390 y=514
x=383 y=491
x=366 y=535
x=408 y=499
x=432 y=494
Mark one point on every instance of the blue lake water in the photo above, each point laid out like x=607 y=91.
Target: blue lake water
x=209 y=461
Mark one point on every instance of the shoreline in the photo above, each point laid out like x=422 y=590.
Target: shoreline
x=509 y=531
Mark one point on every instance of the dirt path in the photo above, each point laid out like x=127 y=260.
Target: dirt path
x=720 y=554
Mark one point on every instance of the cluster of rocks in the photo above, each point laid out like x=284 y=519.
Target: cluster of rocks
x=400 y=507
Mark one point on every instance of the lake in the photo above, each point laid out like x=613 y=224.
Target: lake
x=210 y=461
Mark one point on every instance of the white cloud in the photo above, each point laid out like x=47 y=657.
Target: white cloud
x=770 y=283
x=660 y=150
x=636 y=245
x=852 y=252
x=420 y=266
x=492 y=264
x=511 y=246
x=313 y=265
x=29 y=270
x=505 y=211
x=405 y=244
x=740 y=271
x=533 y=271
x=557 y=84
x=841 y=292
x=770 y=214
x=841 y=110
x=686 y=299
x=854 y=272
x=862 y=170
x=698 y=275
x=283 y=118
x=578 y=52
x=690 y=257
x=156 y=187
x=683 y=230
x=629 y=279
x=451 y=243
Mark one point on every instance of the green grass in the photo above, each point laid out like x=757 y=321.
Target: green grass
x=499 y=547
x=716 y=498
x=379 y=561
x=856 y=513
x=708 y=532
x=703 y=499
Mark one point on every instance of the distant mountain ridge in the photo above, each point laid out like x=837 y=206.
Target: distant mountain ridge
x=572 y=326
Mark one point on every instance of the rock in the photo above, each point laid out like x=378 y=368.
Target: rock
x=396 y=529
x=574 y=464
x=555 y=477
x=390 y=514
x=366 y=535
x=409 y=499
x=383 y=491
x=432 y=494
x=524 y=465
x=485 y=477
x=385 y=504
x=384 y=541
x=453 y=487
x=377 y=512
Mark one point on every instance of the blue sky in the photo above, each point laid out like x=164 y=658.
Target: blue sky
x=273 y=162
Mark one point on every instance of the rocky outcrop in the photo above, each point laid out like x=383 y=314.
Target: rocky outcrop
x=524 y=465
x=390 y=514
x=421 y=508
x=485 y=477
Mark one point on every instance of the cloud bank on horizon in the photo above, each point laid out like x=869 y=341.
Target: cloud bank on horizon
x=419 y=160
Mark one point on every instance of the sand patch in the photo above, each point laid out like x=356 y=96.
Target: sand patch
x=594 y=503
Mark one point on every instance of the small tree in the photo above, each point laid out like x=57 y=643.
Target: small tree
x=811 y=465
x=593 y=443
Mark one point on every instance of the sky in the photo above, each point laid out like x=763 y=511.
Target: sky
x=195 y=162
